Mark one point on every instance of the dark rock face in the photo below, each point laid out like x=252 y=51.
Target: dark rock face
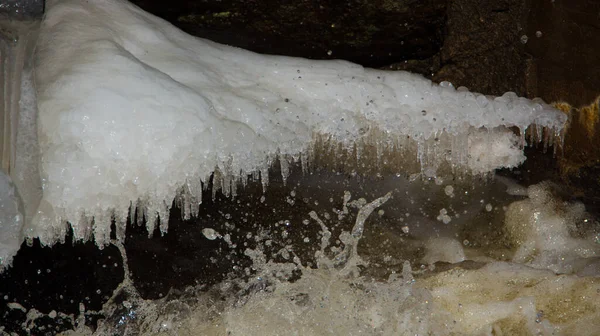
x=472 y=43
x=372 y=33
x=564 y=60
x=22 y=9
x=482 y=49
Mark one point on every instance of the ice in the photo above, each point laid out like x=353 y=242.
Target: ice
x=134 y=111
x=26 y=170
x=11 y=221
x=487 y=152
x=19 y=178
x=20 y=184
x=18 y=111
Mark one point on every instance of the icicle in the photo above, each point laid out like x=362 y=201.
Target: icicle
x=81 y=230
x=141 y=210
x=101 y=231
x=546 y=139
x=120 y=222
x=558 y=140
x=226 y=189
x=522 y=141
x=304 y=161
x=551 y=136
x=162 y=209
x=217 y=183
x=201 y=187
x=244 y=178
x=264 y=176
x=150 y=218
x=539 y=133
x=132 y=209
x=285 y=168
x=234 y=183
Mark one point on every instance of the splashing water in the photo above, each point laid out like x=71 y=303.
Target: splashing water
x=337 y=297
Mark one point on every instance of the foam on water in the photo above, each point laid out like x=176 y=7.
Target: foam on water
x=542 y=227
x=133 y=110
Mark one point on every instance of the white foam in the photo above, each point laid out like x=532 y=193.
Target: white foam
x=131 y=108
x=443 y=249
x=540 y=227
x=505 y=298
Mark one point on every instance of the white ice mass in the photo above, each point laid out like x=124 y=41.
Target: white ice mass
x=132 y=110
x=11 y=221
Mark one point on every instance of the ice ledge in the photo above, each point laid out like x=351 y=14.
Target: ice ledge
x=131 y=108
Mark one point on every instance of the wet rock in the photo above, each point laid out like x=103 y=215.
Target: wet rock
x=482 y=48
x=535 y=48
x=563 y=64
x=372 y=33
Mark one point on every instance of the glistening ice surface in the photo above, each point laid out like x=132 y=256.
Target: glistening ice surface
x=132 y=109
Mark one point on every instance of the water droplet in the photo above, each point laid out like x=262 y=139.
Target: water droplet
x=210 y=234
x=449 y=191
